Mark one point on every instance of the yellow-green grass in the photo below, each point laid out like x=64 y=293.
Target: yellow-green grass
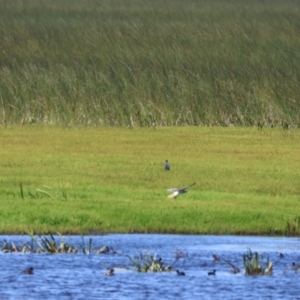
x=113 y=180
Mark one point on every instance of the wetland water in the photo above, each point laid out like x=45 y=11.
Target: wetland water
x=80 y=276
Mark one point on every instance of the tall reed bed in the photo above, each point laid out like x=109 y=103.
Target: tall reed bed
x=145 y=63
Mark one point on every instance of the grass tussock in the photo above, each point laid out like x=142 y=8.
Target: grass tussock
x=154 y=63
x=292 y=227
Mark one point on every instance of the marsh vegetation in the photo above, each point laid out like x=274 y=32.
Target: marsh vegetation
x=150 y=63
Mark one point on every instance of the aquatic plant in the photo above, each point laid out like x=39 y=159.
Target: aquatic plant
x=254 y=265
x=102 y=250
x=84 y=249
x=146 y=262
x=50 y=245
x=11 y=247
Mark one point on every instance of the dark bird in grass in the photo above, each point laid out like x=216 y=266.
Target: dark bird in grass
x=111 y=272
x=28 y=271
x=167 y=165
x=177 y=191
x=213 y=272
x=180 y=273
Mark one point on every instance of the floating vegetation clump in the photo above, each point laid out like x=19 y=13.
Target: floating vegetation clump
x=254 y=264
x=11 y=247
x=146 y=262
x=50 y=245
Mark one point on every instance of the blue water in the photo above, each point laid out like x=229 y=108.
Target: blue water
x=80 y=276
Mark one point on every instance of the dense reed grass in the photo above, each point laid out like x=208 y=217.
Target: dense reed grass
x=143 y=63
x=113 y=180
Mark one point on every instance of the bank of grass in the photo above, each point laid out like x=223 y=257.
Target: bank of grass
x=136 y=62
x=112 y=180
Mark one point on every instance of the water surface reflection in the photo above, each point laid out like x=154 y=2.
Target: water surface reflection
x=80 y=276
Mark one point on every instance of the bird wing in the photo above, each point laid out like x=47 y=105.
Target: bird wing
x=176 y=191
x=174 y=194
x=186 y=187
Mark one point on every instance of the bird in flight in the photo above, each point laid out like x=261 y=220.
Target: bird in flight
x=177 y=191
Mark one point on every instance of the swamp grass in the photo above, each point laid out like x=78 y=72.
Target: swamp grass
x=113 y=180
x=139 y=63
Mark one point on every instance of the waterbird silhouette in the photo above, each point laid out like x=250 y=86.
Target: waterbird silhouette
x=180 y=273
x=28 y=271
x=111 y=272
x=213 y=272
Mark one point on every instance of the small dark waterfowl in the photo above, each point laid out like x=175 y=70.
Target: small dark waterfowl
x=159 y=261
x=177 y=191
x=213 y=272
x=111 y=272
x=28 y=271
x=281 y=255
x=295 y=266
x=180 y=273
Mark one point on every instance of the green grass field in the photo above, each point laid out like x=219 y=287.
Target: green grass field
x=137 y=62
x=113 y=180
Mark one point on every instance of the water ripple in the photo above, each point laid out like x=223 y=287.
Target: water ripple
x=79 y=276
